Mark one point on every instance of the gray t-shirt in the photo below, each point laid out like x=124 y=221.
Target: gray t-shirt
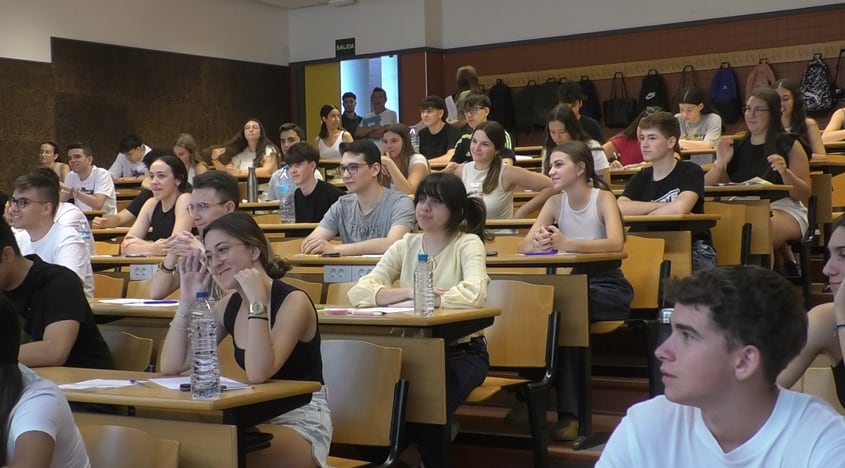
x=346 y=218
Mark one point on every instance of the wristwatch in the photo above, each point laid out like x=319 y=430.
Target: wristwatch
x=257 y=310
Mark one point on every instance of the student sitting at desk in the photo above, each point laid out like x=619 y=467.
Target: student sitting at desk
x=215 y=194
x=733 y=330
x=332 y=134
x=38 y=429
x=250 y=147
x=165 y=213
x=370 y=217
x=668 y=186
x=48 y=157
x=476 y=110
x=623 y=149
x=453 y=235
x=794 y=117
x=774 y=155
x=438 y=138
x=274 y=331
x=701 y=126
x=128 y=165
x=488 y=177
x=57 y=322
x=313 y=197
x=90 y=187
x=583 y=218
x=402 y=167
x=835 y=129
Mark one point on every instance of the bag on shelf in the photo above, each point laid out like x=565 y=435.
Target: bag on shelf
x=619 y=110
x=724 y=94
x=652 y=92
x=591 y=107
x=815 y=86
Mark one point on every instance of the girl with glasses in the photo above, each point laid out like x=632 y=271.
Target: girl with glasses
x=274 y=328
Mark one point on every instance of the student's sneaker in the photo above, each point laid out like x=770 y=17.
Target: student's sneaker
x=565 y=432
x=791 y=270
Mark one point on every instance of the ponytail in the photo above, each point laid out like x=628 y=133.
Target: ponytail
x=475 y=215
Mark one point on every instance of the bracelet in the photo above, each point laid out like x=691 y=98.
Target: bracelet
x=839 y=326
x=262 y=317
x=162 y=266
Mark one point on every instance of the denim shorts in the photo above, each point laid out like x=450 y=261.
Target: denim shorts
x=313 y=422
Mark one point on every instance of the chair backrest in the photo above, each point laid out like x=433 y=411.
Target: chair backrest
x=267 y=218
x=108 y=286
x=110 y=446
x=128 y=352
x=287 y=248
x=336 y=293
x=509 y=245
x=514 y=338
x=140 y=289
x=727 y=234
x=642 y=268
x=106 y=248
x=314 y=290
x=677 y=249
x=362 y=381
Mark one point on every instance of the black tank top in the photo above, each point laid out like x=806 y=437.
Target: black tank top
x=161 y=223
x=305 y=361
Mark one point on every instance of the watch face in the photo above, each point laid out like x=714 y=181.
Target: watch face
x=256 y=309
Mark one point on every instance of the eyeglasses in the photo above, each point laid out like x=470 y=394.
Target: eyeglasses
x=221 y=252
x=22 y=203
x=472 y=110
x=352 y=168
x=200 y=207
x=755 y=111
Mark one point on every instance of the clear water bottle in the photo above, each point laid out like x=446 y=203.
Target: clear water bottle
x=251 y=186
x=424 y=287
x=205 y=370
x=84 y=230
x=415 y=140
x=287 y=210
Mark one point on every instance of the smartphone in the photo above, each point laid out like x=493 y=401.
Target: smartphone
x=543 y=252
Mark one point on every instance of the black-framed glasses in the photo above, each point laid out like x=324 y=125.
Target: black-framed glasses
x=755 y=111
x=351 y=168
x=201 y=207
x=23 y=202
x=472 y=110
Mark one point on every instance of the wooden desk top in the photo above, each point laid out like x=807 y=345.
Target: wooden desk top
x=761 y=190
x=836 y=145
x=829 y=163
x=150 y=395
x=408 y=319
x=524 y=223
x=557 y=260
x=104 y=262
x=105 y=309
x=278 y=227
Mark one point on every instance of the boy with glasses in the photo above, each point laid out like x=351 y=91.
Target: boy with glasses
x=215 y=194
x=370 y=217
x=476 y=109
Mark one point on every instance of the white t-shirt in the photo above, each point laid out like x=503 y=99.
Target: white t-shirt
x=43 y=407
x=62 y=246
x=122 y=167
x=98 y=182
x=246 y=158
x=802 y=431
x=69 y=215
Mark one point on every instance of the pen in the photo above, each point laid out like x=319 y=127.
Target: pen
x=162 y=301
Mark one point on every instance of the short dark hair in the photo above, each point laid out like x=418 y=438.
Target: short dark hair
x=285 y=127
x=349 y=94
x=664 y=122
x=47 y=172
x=86 y=150
x=53 y=144
x=378 y=89
x=477 y=100
x=365 y=148
x=435 y=102
x=223 y=183
x=753 y=306
x=300 y=152
x=570 y=92
x=129 y=142
x=7 y=237
x=47 y=188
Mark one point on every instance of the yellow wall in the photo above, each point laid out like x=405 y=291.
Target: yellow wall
x=322 y=86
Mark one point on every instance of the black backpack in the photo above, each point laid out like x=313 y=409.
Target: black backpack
x=591 y=107
x=652 y=92
x=524 y=107
x=724 y=94
x=501 y=104
x=815 y=86
x=545 y=99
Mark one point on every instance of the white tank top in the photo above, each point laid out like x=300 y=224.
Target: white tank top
x=330 y=152
x=499 y=202
x=583 y=224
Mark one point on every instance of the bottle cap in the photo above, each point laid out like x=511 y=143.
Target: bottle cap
x=423 y=257
x=202 y=295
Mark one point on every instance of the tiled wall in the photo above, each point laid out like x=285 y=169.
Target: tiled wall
x=98 y=93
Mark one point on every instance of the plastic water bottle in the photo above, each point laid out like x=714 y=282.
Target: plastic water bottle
x=415 y=140
x=424 y=287
x=251 y=186
x=287 y=210
x=205 y=370
x=84 y=230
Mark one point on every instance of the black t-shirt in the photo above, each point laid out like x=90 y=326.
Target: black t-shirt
x=350 y=124
x=462 y=154
x=591 y=126
x=138 y=202
x=312 y=208
x=434 y=145
x=750 y=160
x=685 y=177
x=52 y=293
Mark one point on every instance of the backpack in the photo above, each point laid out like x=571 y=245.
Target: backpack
x=652 y=92
x=545 y=99
x=591 y=107
x=815 y=86
x=523 y=107
x=724 y=94
x=501 y=105
x=687 y=81
x=761 y=75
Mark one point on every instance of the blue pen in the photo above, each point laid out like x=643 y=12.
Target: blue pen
x=162 y=301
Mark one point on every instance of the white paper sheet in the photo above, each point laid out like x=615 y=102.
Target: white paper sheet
x=173 y=383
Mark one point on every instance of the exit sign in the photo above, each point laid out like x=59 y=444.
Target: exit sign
x=344 y=47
